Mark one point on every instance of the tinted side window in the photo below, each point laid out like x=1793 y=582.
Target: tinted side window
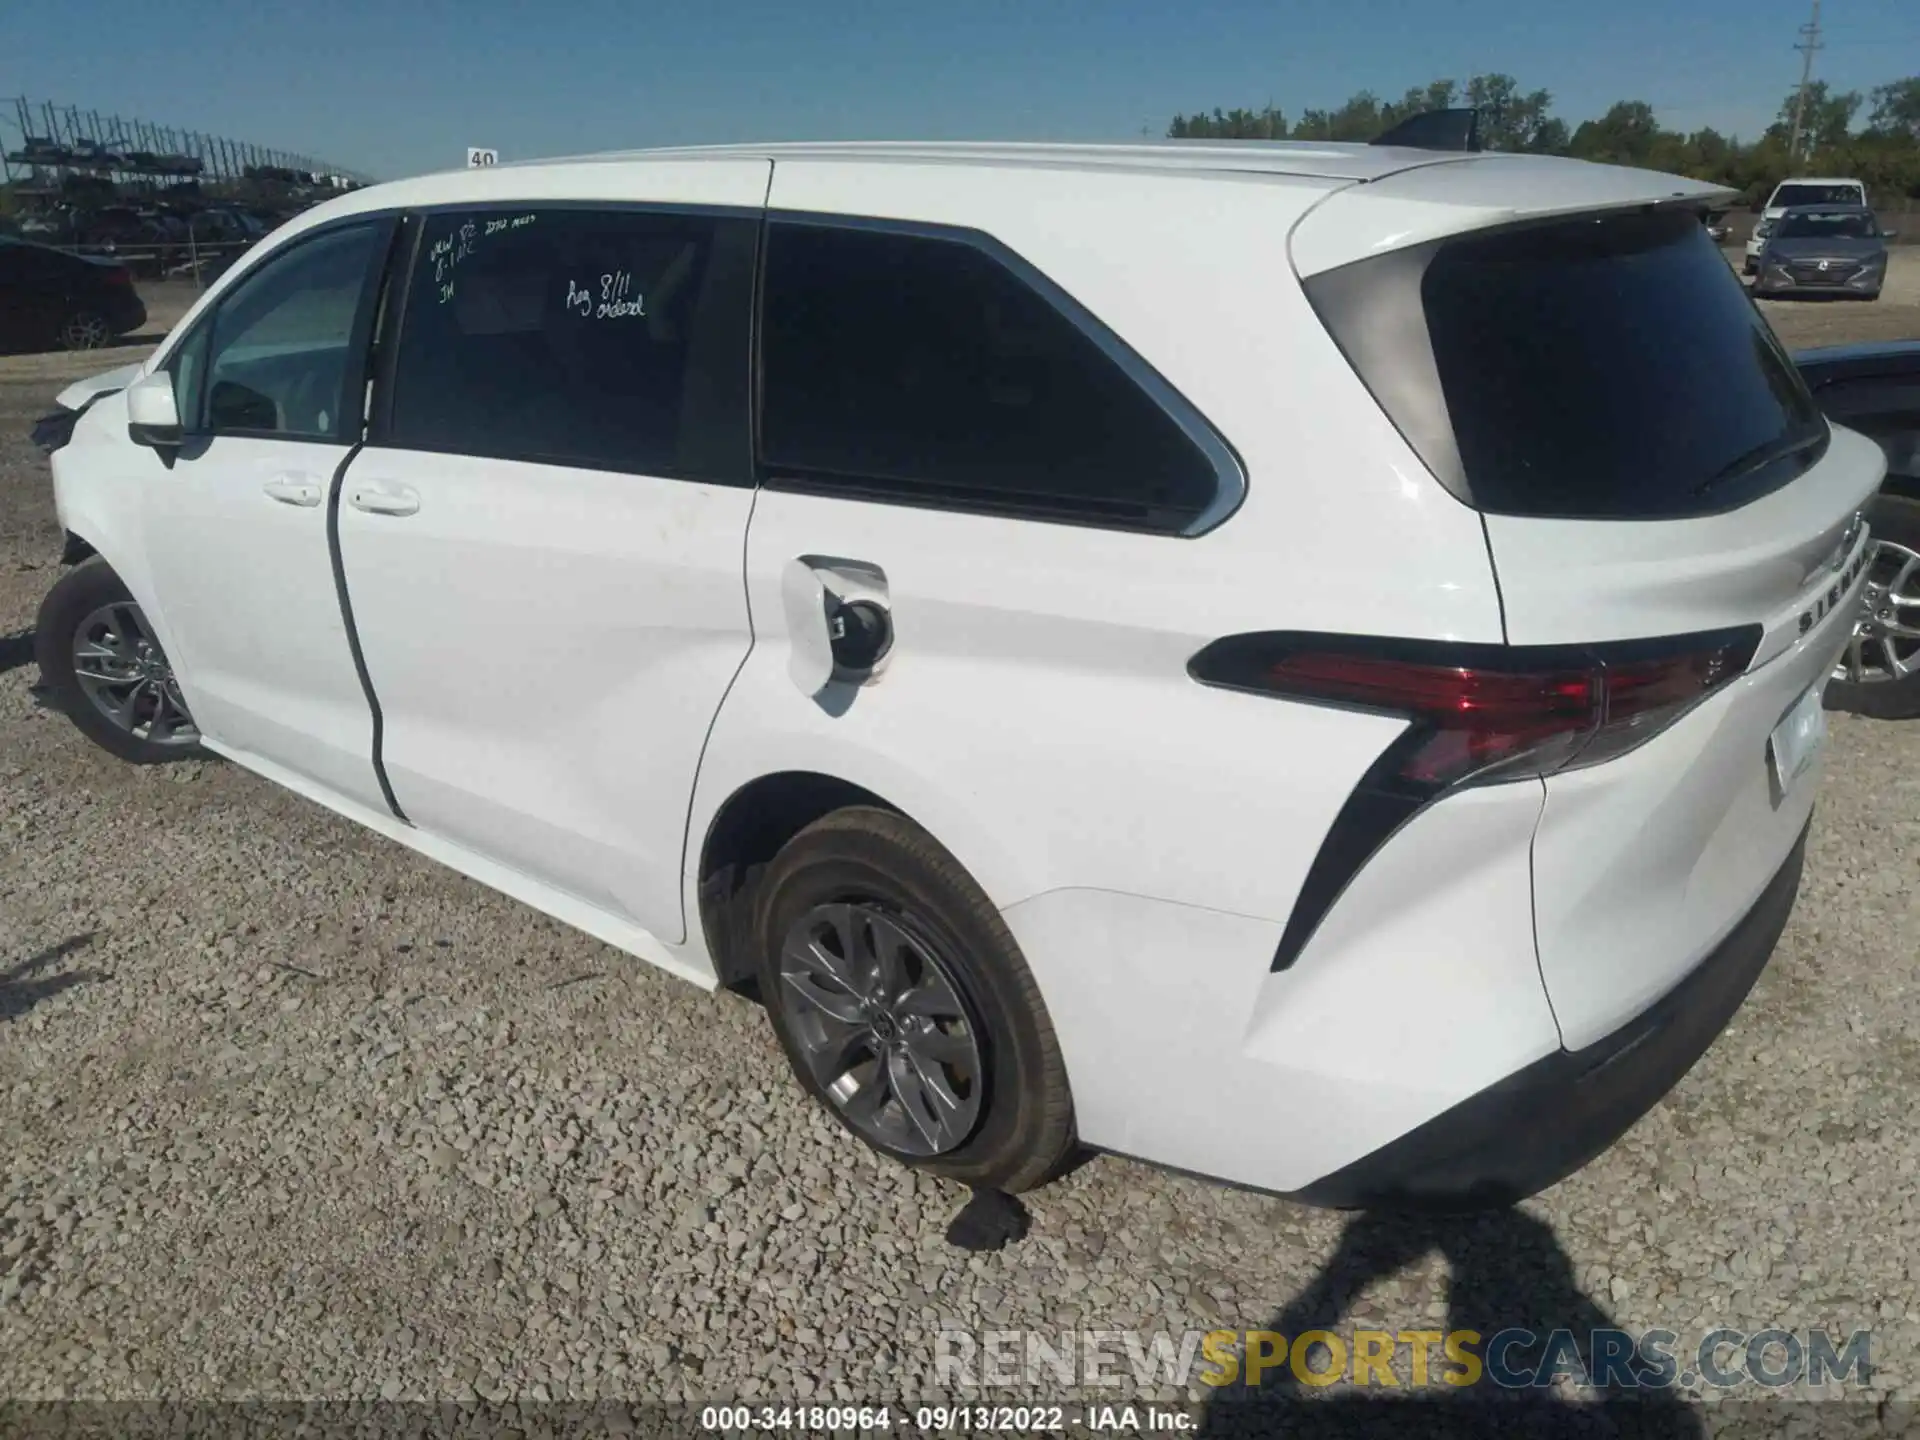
x=609 y=339
x=278 y=356
x=920 y=368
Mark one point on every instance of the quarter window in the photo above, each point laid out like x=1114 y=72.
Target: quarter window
x=923 y=369
x=608 y=339
x=278 y=353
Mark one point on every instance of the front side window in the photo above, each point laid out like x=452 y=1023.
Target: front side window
x=922 y=369
x=607 y=339
x=276 y=358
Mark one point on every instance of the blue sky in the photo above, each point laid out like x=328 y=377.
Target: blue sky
x=404 y=86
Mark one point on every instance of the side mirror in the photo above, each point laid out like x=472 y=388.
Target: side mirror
x=153 y=416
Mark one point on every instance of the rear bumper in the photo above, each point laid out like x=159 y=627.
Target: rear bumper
x=1542 y=1123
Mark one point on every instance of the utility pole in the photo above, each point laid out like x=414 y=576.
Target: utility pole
x=1809 y=42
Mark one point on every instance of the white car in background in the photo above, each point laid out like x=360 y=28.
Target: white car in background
x=1802 y=191
x=1302 y=663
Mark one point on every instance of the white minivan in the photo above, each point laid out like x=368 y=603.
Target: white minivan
x=1300 y=663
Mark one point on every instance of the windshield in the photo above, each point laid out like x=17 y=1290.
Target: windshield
x=1831 y=225
x=1817 y=195
x=1603 y=367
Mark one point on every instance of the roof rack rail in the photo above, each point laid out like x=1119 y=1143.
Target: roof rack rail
x=1435 y=130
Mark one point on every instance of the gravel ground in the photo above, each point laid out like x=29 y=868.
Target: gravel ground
x=290 y=1112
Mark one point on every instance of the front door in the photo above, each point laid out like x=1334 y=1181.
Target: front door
x=543 y=542
x=269 y=386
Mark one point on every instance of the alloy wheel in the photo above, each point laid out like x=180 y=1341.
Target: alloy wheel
x=84 y=331
x=1886 y=638
x=124 y=674
x=881 y=1027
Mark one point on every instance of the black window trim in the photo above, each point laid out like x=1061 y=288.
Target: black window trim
x=354 y=384
x=1230 y=477
x=379 y=432
x=386 y=342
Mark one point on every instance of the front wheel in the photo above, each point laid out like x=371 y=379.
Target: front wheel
x=102 y=665
x=904 y=1005
x=1879 y=674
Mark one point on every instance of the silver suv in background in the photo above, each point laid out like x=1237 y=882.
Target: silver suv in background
x=1822 y=249
x=1805 y=191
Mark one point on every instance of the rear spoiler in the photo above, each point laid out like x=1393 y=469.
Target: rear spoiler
x=1436 y=130
x=1458 y=130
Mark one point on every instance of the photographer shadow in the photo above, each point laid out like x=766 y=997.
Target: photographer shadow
x=1508 y=1272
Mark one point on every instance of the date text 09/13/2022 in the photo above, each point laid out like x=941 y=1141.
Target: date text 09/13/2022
x=946 y=1419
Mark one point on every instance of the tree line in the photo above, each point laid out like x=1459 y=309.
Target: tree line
x=1875 y=137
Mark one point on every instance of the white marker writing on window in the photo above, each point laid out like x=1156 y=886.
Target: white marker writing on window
x=617 y=298
x=614 y=304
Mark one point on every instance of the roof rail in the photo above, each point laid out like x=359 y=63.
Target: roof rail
x=1435 y=130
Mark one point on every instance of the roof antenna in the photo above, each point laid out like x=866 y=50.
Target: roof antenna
x=1436 y=130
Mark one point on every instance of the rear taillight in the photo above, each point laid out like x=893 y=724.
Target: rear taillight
x=1478 y=715
x=119 y=275
x=1475 y=721
x=1482 y=713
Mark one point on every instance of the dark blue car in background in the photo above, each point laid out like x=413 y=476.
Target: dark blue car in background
x=50 y=300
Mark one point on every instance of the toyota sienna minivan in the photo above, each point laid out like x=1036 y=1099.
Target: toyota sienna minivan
x=1301 y=663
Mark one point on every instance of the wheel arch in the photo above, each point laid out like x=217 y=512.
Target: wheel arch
x=745 y=832
x=96 y=527
x=76 y=548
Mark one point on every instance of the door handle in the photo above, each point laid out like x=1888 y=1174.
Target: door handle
x=293 y=490
x=375 y=500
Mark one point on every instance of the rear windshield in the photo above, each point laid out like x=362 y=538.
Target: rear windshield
x=1816 y=195
x=1603 y=367
x=1827 y=225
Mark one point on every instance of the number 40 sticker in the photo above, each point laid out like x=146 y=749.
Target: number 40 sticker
x=476 y=157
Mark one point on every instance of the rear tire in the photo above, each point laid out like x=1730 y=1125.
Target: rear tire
x=90 y=612
x=84 y=330
x=1895 y=522
x=871 y=883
